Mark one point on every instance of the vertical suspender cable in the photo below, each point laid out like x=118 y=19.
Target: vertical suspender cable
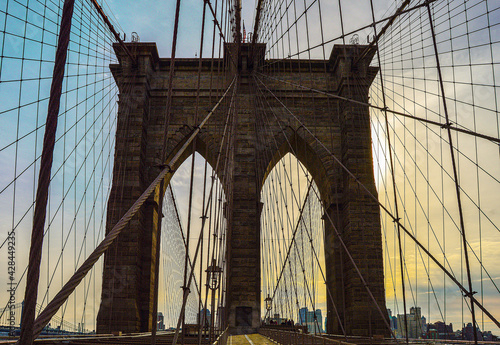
x=200 y=61
x=455 y=176
x=35 y=256
x=170 y=78
x=396 y=209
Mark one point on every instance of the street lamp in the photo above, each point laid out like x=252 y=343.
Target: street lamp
x=213 y=275
x=269 y=302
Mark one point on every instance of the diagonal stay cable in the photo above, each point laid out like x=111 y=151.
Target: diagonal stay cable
x=395 y=112
x=44 y=317
x=112 y=29
x=378 y=35
x=40 y=212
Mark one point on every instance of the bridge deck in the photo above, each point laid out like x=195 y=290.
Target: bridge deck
x=161 y=339
x=249 y=339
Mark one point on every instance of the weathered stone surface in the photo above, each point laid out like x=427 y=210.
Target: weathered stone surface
x=325 y=129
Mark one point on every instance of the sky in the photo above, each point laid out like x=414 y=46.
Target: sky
x=157 y=25
x=414 y=89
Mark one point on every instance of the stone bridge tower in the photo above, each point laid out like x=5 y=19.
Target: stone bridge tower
x=325 y=128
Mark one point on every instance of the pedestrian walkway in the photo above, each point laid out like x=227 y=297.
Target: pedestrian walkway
x=249 y=339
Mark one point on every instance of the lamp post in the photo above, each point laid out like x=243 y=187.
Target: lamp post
x=269 y=303
x=214 y=274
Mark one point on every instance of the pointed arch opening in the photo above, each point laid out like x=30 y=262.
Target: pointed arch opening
x=305 y=150
x=292 y=247
x=193 y=220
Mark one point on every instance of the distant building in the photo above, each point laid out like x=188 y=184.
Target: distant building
x=312 y=319
x=319 y=318
x=488 y=336
x=468 y=333
x=205 y=318
x=302 y=316
x=424 y=325
x=160 y=322
x=414 y=320
x=393 y=321
x=440 y=330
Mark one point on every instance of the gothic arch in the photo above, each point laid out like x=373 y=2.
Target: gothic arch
x=205 y=144
x=314 y=158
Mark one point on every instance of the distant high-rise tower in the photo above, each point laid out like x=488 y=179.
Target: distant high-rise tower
x=312 y=319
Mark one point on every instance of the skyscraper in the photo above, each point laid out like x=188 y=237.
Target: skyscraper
x=205 y=318
x=312 y=319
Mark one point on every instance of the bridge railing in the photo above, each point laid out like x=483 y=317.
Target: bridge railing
x=289 y=328
x=222 y=338
x=286 y=337
x=297 y=338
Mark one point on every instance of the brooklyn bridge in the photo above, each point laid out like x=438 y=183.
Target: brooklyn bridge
x=327 y=174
